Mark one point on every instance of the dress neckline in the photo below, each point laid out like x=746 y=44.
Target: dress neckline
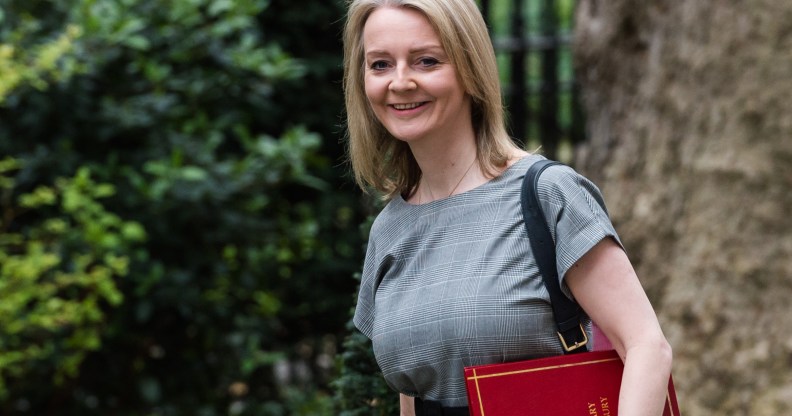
x=483 y=187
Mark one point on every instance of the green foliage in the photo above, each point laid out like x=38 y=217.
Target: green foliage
x=35 y=68
x=58 y=274
x=360 y=387
x=212 y=126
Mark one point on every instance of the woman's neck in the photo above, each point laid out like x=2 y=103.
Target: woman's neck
x=447 y=168
x=451 y=167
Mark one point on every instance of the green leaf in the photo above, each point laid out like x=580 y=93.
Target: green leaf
x=137 y=42
x=193 y=174
x=268 y=304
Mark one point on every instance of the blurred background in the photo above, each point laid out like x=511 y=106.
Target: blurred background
x=180 y=234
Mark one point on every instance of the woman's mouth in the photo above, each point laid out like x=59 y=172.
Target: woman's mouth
x=408 y=106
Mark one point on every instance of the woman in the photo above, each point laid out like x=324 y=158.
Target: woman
x=449 y=279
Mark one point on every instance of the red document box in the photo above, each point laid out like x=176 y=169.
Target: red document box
x=567 y=385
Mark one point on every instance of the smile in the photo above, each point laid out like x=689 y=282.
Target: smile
x=409 y=106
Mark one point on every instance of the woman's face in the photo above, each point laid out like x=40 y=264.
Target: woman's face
x=410 y=82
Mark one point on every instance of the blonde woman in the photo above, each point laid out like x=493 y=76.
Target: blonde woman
x=449 y=279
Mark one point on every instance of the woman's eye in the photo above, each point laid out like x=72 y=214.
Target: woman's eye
x=428 y=61
x=378 y=65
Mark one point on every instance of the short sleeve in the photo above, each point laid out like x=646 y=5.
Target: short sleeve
x=575 y=218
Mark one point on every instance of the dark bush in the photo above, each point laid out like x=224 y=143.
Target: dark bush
x=213 y=128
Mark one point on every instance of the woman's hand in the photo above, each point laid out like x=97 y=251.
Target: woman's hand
x=406 y=405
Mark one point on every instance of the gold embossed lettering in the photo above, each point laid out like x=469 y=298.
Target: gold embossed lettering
x=604 y=406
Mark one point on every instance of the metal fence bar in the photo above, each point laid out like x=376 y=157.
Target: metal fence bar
x=536 y=101
x=549 y=131
x=518 y=100
x=577 y=130
x=531 y=42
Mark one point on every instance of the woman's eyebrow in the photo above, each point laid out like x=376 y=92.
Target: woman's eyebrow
x=412 y=51
x=427 y=48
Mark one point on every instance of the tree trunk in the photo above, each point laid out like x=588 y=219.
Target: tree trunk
x=689 y=109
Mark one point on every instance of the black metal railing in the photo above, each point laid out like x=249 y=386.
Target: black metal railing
x=533 y=45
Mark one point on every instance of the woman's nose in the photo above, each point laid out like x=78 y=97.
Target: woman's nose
x=402 y=80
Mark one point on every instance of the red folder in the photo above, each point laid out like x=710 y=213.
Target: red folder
x=567 y=385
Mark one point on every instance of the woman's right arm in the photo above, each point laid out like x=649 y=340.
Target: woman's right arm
x=407 y=405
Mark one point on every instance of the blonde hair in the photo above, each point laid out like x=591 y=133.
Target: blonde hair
x=381 y=161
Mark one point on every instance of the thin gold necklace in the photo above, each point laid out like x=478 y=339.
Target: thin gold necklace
x=431 y=194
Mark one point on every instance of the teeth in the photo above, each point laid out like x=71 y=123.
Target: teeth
x=406 y=106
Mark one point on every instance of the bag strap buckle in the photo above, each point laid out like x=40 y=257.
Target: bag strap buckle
x=576 y=344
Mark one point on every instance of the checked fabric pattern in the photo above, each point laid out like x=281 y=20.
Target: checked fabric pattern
x=453 y=283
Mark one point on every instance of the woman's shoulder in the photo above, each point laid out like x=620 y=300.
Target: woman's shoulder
x=559 y=183
x=394 y=215
x=562 y=178
x=517 y=166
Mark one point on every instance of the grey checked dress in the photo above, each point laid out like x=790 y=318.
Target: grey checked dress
x=453 y=283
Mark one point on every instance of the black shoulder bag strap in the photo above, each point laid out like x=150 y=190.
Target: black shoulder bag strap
x=567 y=312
